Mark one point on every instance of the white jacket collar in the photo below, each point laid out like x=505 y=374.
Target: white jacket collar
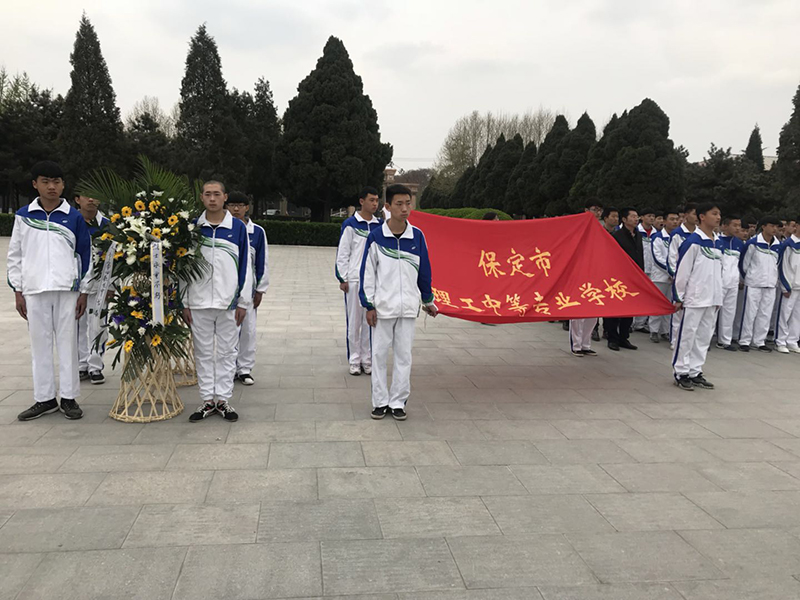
x=760 y=240
x=702 y=235
x=63 y=207
x=363 y=220
x=795 y=239
x=408 y=234
x=227 y=222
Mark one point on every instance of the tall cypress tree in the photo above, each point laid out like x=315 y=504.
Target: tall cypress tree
x=535 y=201
x=787 y=168
x=754 y=150
x=91 y=132
x=515 y=193
x=479 y=191
x=264 y=135
x=331 y=145
x=506 y=159
x=570 y=155
x=459 y=195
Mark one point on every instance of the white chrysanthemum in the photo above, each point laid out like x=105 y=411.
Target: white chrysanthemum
x=141 y=194
x=131 y=259
x=124 y=329
x=158 y=194
x=166 y=244
x=141 y=330
x=133 y=303
x=183 y=214
x=158 y=221
x=191 y=226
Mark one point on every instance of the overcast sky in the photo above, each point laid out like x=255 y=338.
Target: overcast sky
x=716 y=67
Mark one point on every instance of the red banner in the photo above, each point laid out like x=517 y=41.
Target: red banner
x=535 y=270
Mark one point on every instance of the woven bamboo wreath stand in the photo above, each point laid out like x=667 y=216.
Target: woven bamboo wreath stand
x=150 y=397
x=183 y=369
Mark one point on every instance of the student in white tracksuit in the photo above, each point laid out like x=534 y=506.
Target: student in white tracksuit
x=216 y=304
x=581 y=330
x=395 y=278
x=788 y=331
x=731 y=247
x=646 y=229
x=48 y=257
x=349 y=255
x=660 y=325
x=697 y=290
x=759 y=269
x=677 y=238
x=238 y=205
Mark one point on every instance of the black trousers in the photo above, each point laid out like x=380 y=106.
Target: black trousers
x=619 y=329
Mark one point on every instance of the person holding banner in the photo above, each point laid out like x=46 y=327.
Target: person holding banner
x=216 y=303
x=48 y=256
x=619 y=328
x=698 y=293
x=395 y=277
x=238 y=205
x=352 y=240
x=688 y=218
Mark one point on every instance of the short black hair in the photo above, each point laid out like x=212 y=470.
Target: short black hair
x=368 y=190
x=46 y=168
x=398 y=189
x=608 y=210
x=624 y=212
x=770 y=220
x=691 y=206
x=593 y=202
x=489 y=216
x=706 y=207
x=237 y=197
x=671 y=211
x=647 y=211
x=726 y=220
x=214 y=182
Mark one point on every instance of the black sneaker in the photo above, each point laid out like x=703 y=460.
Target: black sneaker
x=595 y=336
x=565 y=325
x=588 y=352
x=399 y=414
x=577 y=353
x=227 y=412
x=766 y=349
x=685 y=383
x=71 y=409
x=39 y=409
x=379 y=412
x=204 y=411
x=701 y=382
x=97 y=377
x=744 y=348
x=654 y=338
x=246 y=379
x=720 y=345
x=83 y=375
x=731 y=348
x=665 y=337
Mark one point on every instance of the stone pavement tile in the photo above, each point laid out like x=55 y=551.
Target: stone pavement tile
x=673 y=411
x=642 y=556
x=619 y=591
x=518 y=430
x=334 y=519
x=470 y=481
x=369 y=482
x=738 y=410
x=33 y=459
x=444 y=382
x=432 y=396
x=314 y=412
x=257 y=485
x=514 y=452
x=738 y=589
x=666 y=429
x=150 y=487
x=745 y=450
x=8 y=414
x=15 y=569
x=651 y=512
x=550 y=396
x=313 y=381
x=747 y=553
x=89 y=434
x=527 y=411
x=174 y=431
x=790 y=445
x=495 y=594
x=339 y=396
x=518 y=561
x=791 y=426
x=666 y=451
x=358 y=431
x=251 y=571
x=194 y=525
x=105 y=459
x=299 y=455
x=47 y=490
x=278 y=396
x=792 y=468
x=660 y=478
x=66 y=529
x=130 y=573
x=599 y=410
x=24 y=434
x=598 y=394
x=375 y=566
x=595 y=429
x=746 y=477
x=742 y=428
x=434 y=517
x=573 y=452
x=751 y=509
x=402 y=454
x=21 y=396
x=464 y=412
x=467 y=395
x=5 y=515
x=261 y=433
x=545 y=514
x=442 y=430
x=212 y=457
x=566 y=479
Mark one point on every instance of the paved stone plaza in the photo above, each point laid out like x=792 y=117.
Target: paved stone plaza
x=522 y=473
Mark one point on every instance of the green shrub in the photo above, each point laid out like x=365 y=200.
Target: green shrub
x=466 y=213
x=6 y=223
x=300 y=233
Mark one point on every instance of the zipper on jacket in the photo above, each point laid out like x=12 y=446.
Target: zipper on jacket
x=213 y=260
x=400 y=277
x=48 y=247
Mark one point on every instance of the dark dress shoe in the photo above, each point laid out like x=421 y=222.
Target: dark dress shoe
x=613 y=346
x=627 y=345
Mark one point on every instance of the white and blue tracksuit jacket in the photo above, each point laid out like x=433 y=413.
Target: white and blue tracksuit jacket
x=789 y=264
x=395 y=273
x=698 y=276
x=647 y=244
x=48 y=253
x=352 y=241
x=731 y=248
x=758 y=262
x=659 y=249
x=227 y=281
x=676 y=238
x=259 y=256
x=89 y=285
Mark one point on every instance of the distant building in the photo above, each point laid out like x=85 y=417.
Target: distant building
x=389 y=175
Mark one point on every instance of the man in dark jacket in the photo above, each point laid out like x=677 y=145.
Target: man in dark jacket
x=630 y=241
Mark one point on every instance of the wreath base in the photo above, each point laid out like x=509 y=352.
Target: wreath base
x=183 y=369
x=151 y=396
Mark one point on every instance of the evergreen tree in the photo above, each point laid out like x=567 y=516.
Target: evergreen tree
x=569 y=156
x=479 y=196
x=515 y=193
x=91 y=132
x=787 y=168
x=145 y=136
x=546 y=159
x=471 y=183
x=507 y=158
x=459 y=195
x=264 y=135
x=331 y=145
x=432 y=197
x=754 y=150
x=634 y=163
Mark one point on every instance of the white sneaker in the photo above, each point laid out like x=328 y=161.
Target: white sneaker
x=795 y=349
x=355 y=369
x=782 y=349
x=367 y=369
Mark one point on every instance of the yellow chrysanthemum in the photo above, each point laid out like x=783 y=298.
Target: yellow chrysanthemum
x=128 y=345
x=137 y=314
x=172 y=220
x=111 y=342
x=156 y=340
x=130 y=240
x=115 y=217
x=139 y=205
x=128 y=288
x=126 y=211
x=181 y=252
x=103 y=256
x=170 y=318
x=106 y=236
x=155 y=205
x=156 y=233
x=145 y=258
x=117 y=255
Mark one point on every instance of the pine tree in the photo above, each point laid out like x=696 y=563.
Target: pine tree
x=570 y=155
x=515 y=193
x=331 y=145
x=535 y=201
x=264 y=136
x=432 y=197
x=471 y=185
x=145 y=136
x=459 y=195
x=754 y=150
x=787 y=168
x=506 y=159
x=479 y=196
x=91 y=132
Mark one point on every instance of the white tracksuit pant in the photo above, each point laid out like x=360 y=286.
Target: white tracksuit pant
x=51 y=318
x=397 y=335
x=580 y=334
x=660 y=323
x=214 y=329
x=788 y=330
x=639 y=322
x=89 y=327
x=696 y=326
x=727 y=316
x=758 y=303
x=359 y=336
x=247 y=344
x=675 y=324
x=737 y=321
